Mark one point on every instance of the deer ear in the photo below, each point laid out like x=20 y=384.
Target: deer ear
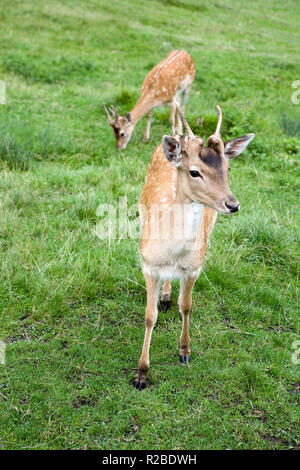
x=172 y=150
x=232 y=148
x=128 y=118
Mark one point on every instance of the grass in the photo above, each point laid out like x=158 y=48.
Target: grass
x=71 y=305
x=290 y=125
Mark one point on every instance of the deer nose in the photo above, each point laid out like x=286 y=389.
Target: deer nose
x=232 y=206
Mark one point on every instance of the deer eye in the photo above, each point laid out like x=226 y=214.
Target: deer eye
x=122 y=134
x=195 y=174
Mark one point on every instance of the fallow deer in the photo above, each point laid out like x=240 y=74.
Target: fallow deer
x=186 y=186
x=162 y=85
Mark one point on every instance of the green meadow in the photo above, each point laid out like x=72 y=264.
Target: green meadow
x=72 y=305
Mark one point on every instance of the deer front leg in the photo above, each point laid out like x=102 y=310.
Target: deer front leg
x=172 y=115
x=165 y=300
x=148 y=125
x=152 y=286
x=185 y=303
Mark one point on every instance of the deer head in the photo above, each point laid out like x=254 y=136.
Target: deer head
x=122 y=126
x=203 y=171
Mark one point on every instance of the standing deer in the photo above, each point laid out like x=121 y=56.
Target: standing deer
x=186 y=186
x=166 y=80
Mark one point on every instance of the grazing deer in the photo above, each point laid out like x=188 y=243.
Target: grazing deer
x=162 y=85
x=186 y=186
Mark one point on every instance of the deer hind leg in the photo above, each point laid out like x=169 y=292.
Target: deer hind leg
x=178 y=125
x=185 y=303
x=172 y=115
x=178 y=129
x=165 y=300
x=148 y=125
x=184 y=97
x=152 y=286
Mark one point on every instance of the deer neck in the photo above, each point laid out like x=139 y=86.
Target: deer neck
x=142 y=107
x=181 y=194
x=192 y=211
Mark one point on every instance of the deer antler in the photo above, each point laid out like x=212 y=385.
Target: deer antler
x=115 y=112
x=110 y=120
x=216 y=137
x=184 y=122
x=217 y=134
x=218 y=129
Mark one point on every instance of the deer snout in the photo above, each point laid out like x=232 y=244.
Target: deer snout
x=121 y=146
x=232 y=204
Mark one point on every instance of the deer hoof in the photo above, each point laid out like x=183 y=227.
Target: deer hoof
x=165 y=305
x=184 y=359
x=140 y=380
x=139 y=385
